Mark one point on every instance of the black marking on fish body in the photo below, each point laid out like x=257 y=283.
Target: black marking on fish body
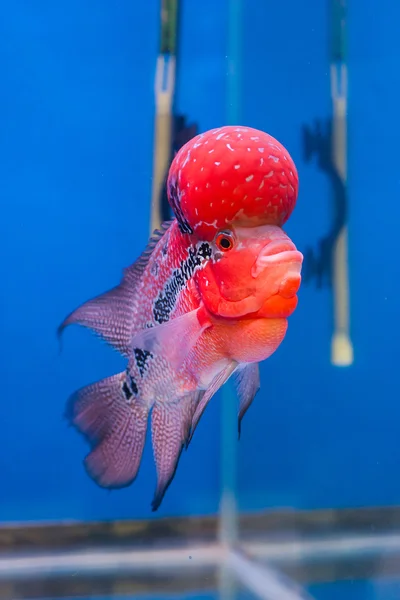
x=127 y=392
x=129 y=387
x=141 y=357
x=175 y=200
x=205 y=250
x=167 y=298
x=134 y=387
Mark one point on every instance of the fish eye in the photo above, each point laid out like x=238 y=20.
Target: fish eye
x=224 y=241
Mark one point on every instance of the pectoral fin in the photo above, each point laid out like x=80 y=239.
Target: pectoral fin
x=247 y=381
x=216 y=383
x=173 y=340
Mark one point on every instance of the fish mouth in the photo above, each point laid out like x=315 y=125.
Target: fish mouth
x=277 y=253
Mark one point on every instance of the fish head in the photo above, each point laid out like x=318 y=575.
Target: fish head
x=253 y=271
x=234 y=188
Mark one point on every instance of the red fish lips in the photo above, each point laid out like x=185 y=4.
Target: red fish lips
x=279 y=268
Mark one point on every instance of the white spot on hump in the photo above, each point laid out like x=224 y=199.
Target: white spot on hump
x=237 y=166
x=196 y=211
x=241 y=129
x=202 y=169
x=248 y=149
x=239 y=135
x=217 y=164
x=274 y=158
x=232 y=204
x=273 y=145
x=211 y=204
x=208 y=185
x=275 y=196
x=282 y=185
x=188 y=184
x=200 y=223
x=224 y=182
x=250 y=178
x=261 y=150
x=261 y=161
x=206 y=142
x=220 y=136
x=197 y=144
x=212 y=150
x=261 y=185
x=284 y=157
x=196 y=188
x=291 y=187
x=291 y=172
x=258 y=198
x=245 y=197
x=223 y=201
x=230 y=148
x=269 y=175
x=195 y=159
x=255 y=138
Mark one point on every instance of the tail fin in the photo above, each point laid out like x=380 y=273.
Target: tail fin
x=115 y=429
x=170 y=426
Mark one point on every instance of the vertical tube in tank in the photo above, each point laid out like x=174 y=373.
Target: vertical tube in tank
x=342 y=348
x=164 y=88
x=229 y=414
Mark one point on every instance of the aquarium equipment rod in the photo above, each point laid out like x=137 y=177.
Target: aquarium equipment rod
x=229 y=438
x=155 y=561
x=164 y=89
x=263 y=581
x=342 y=348
x=229 y=413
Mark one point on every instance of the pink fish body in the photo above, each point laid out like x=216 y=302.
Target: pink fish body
x=208 y=298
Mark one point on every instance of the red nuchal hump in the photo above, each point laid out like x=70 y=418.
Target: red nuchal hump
x=232 y=174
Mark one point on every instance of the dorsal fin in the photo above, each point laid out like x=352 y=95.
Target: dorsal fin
x=110 y=315
x=136 y=270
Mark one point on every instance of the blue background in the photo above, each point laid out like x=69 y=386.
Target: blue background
x=76 y=142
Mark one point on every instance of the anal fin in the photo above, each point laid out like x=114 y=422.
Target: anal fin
x=170 y=425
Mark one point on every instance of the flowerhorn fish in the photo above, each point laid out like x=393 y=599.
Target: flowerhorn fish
x=207 y=299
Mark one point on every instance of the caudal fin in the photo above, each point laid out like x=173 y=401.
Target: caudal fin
x=170 y=426
x=115 y=429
